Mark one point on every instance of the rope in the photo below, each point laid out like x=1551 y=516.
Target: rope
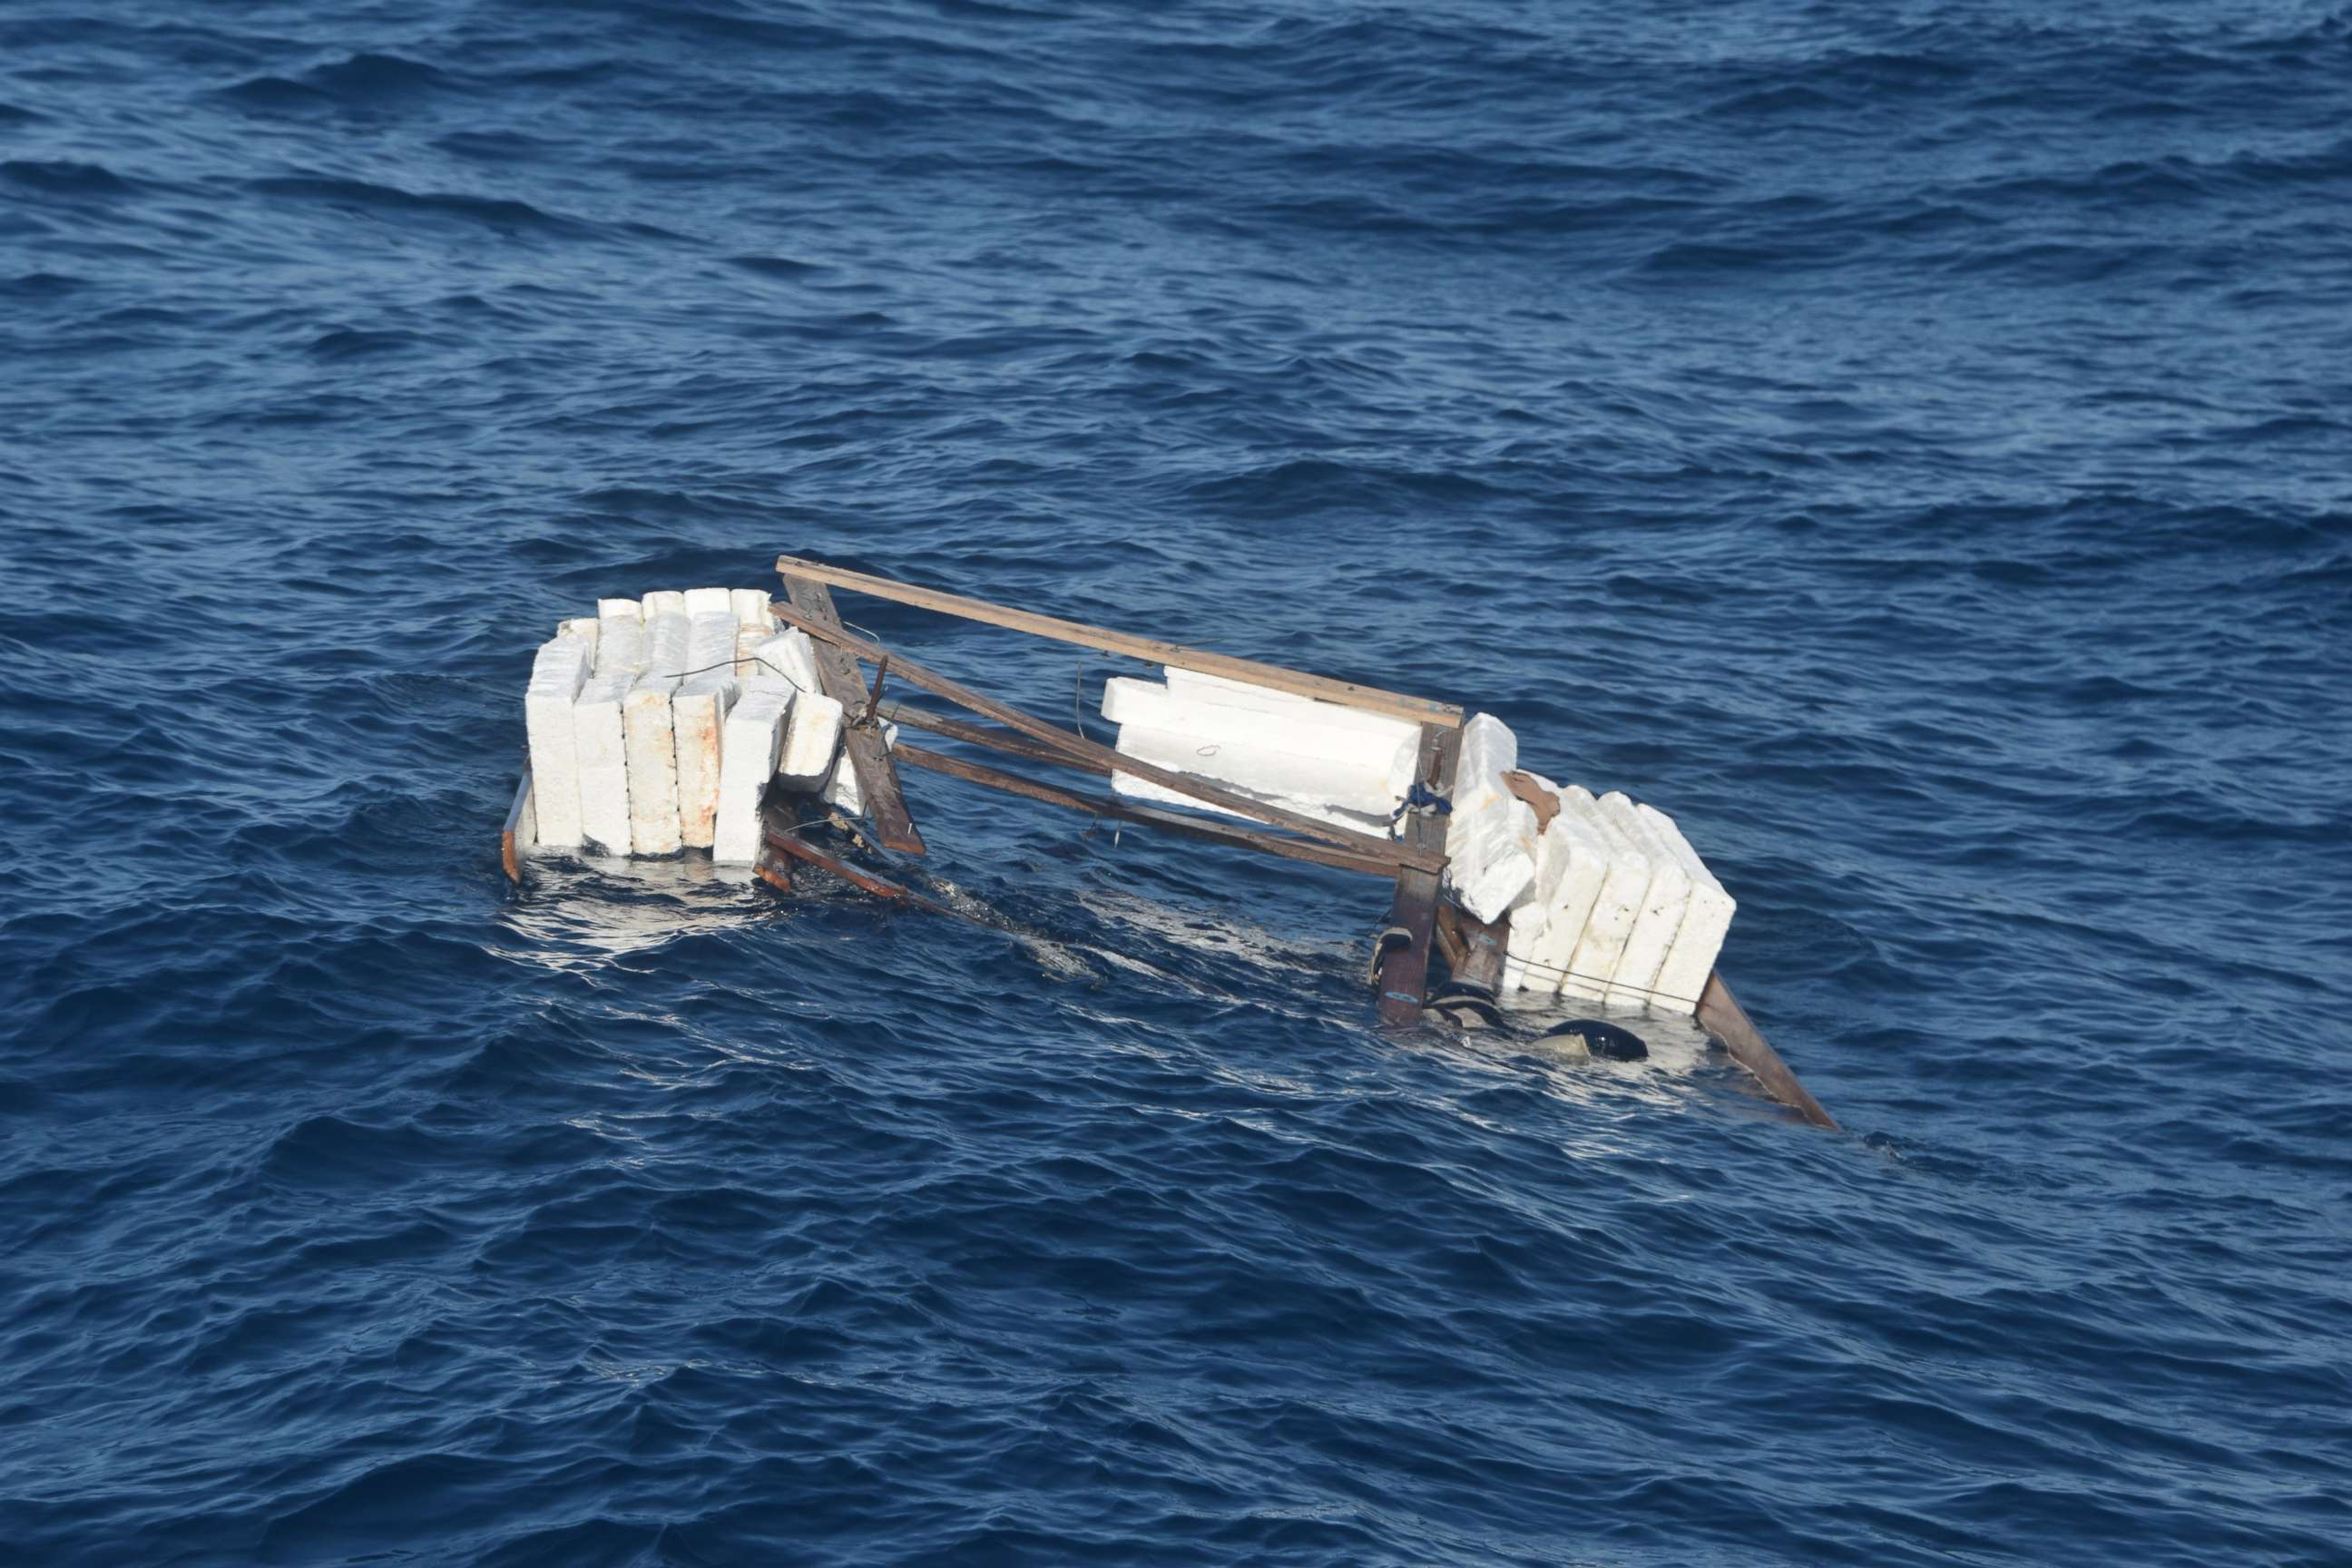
x=1601 y=980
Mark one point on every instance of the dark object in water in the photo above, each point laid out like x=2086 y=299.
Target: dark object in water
x=1466 y=1007
x=1605 y=1041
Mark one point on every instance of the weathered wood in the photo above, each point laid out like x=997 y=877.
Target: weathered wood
x=1720 y=1015
x=1119 y=810
x=1404 y=965
x=878 y=781
x=1447 y=930
x=1348 y=693
x=1011 y=742
x=787 y=843
x=1419 y=857
x=510 y=833
x=1480 y=967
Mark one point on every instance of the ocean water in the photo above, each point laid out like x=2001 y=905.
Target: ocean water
x=1910 y=444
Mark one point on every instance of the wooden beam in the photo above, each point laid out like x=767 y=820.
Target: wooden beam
x=878 y=781
x=1011 y=742
x=1198 y=788
x=1720 y=1015
x=1404 y=964
x=510 y=834
x=1120 y=811
x=781 y=838
x=1348 y=693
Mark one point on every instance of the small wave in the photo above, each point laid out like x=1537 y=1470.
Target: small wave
x=775 y=266
x=346 y=344
x=505 y=213
x=359 y=81
x=64 y=177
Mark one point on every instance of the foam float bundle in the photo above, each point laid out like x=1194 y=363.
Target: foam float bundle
x=657 y=723
x=1337 y=764
x=1608 y=904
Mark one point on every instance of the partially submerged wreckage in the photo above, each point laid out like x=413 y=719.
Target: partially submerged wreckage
x=706 y=719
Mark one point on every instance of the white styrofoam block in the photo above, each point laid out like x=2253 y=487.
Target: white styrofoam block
x=1490 y=839
x=557 y=672
x=664 y=602
x=1192 y=686
x=708 y=602
x=669 y=637
x=1531 y=912
x=747 y=643
x=1302 y=727
x=751 y=607
x=621 y=639
x=751 y=742
x=1286 y=776
x=649 y=720
x=1529 y=921
x=1626 y=879
x=1551 y=854
x=585 y=628
x=1582 y=857
x=1691 y=960
x=598 y=738
x=842 y=789
x=1660 y=915
x=711 y=643
x=813 y=737
x=791 y=655
x=647 y=716
x=697 y=712
x=1152 y=793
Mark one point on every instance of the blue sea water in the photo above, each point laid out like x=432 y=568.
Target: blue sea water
x=1911 y=444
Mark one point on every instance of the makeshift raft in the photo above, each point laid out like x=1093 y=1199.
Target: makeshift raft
x=710 y=718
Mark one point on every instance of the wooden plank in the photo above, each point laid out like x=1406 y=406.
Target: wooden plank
x=1074 y=745
x=1420 y=710
x=878 y=781
x=510 y=834
x=1011 y=742
x=1404 y=965
x=1119 y=810
x=1720 y=1015
x=782 y=839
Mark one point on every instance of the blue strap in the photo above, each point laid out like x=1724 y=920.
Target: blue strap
x=1424 y=798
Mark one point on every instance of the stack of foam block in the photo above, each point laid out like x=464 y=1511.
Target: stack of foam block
x=657 y=725
x=1607 y=902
